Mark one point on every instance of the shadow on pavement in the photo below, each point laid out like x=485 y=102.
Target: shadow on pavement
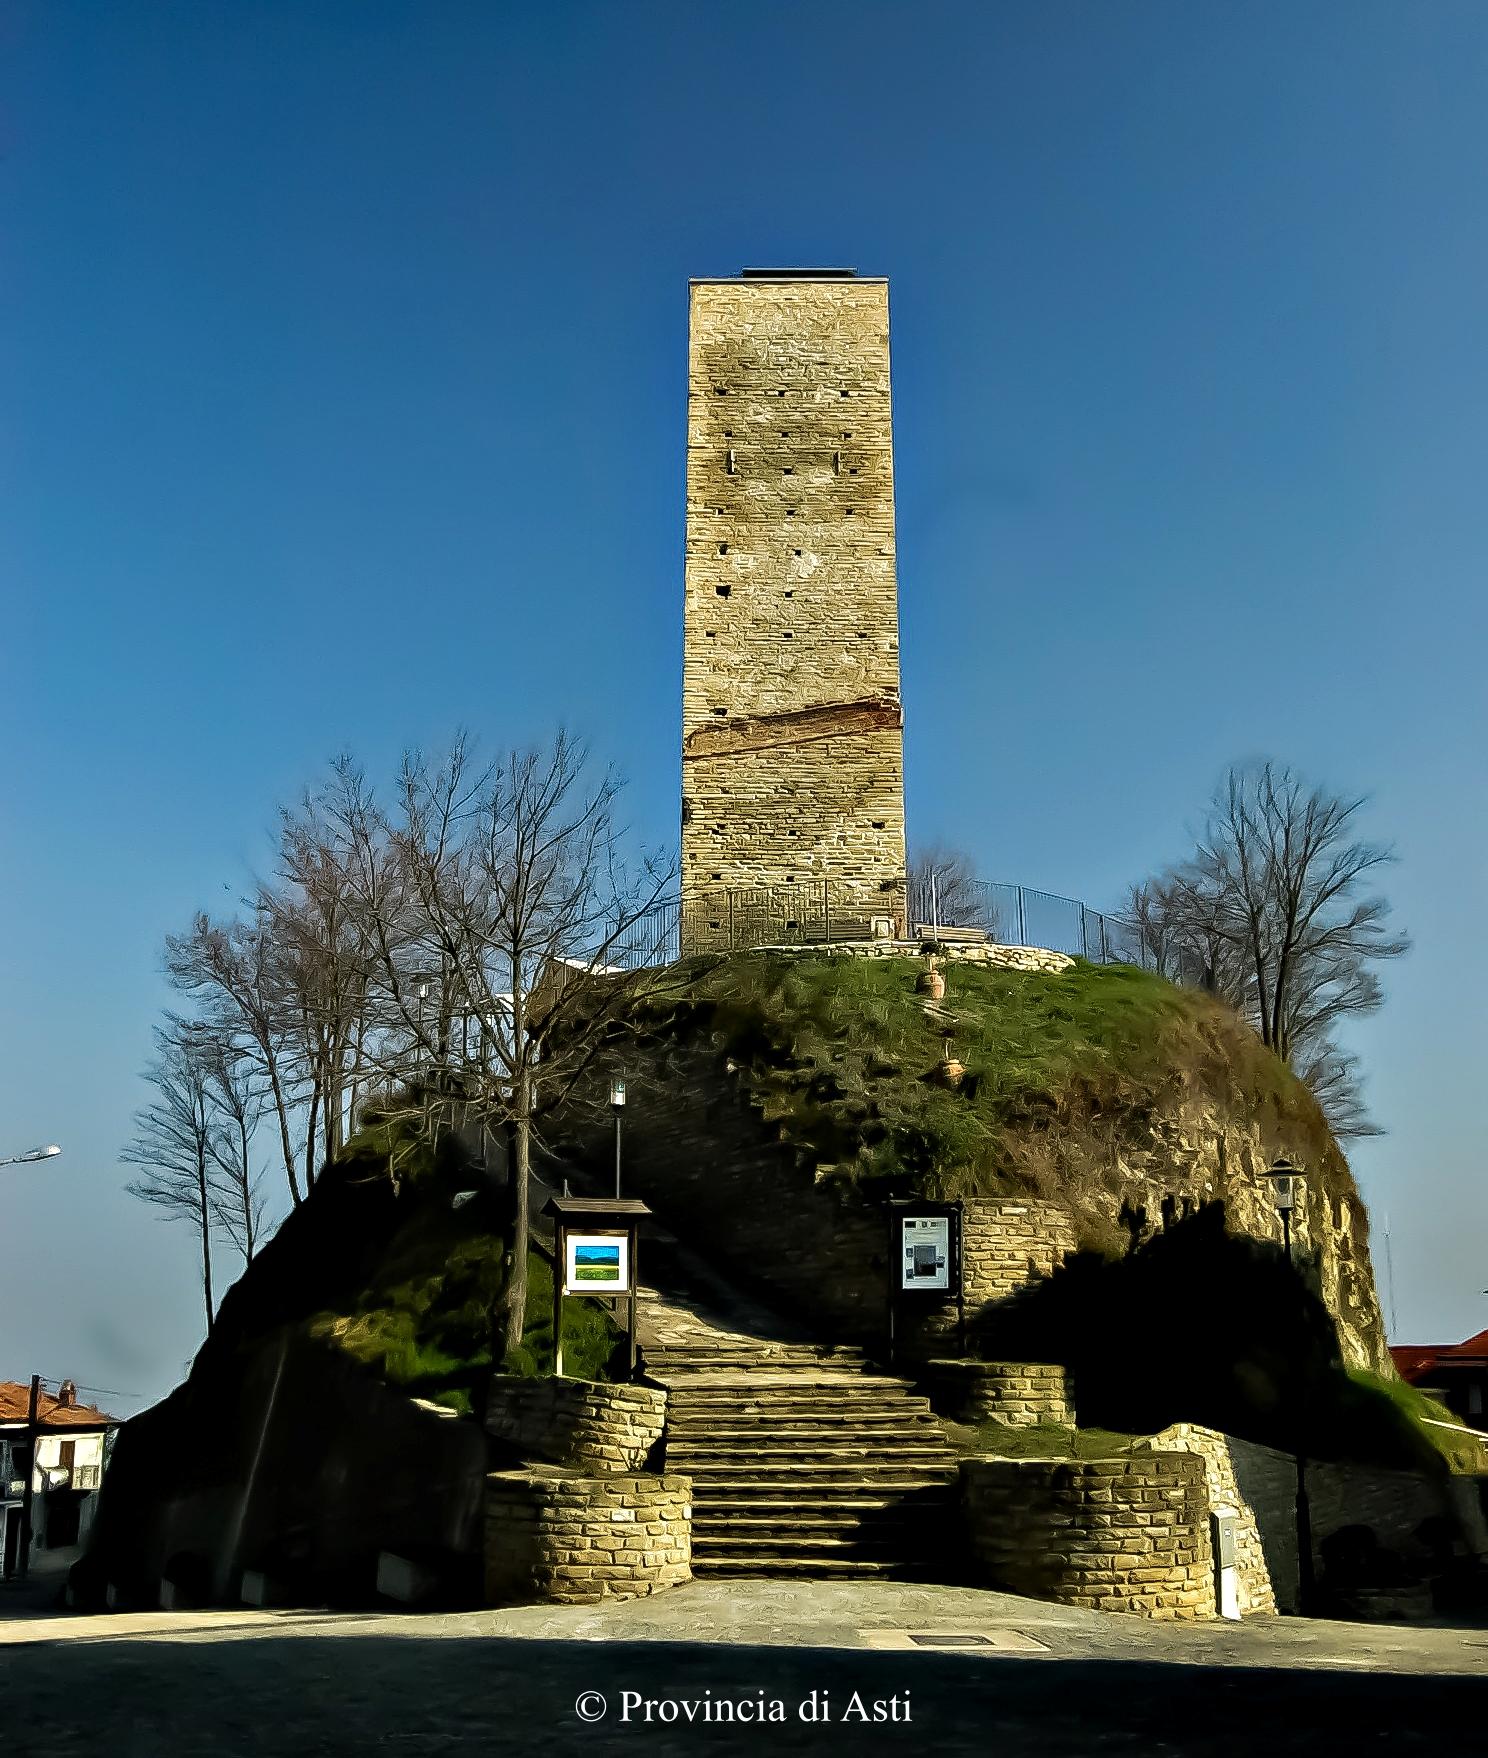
x=415 y=1695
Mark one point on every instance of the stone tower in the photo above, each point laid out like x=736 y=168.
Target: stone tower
x=792 y=741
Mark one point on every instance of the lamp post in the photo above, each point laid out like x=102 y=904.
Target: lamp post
x=50 y=1151
x=1286 y=1183
x=617 y=1105
x=1285 y=1180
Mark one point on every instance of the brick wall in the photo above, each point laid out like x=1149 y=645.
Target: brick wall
x=574 y=1539
x=577 y=1422
x=792 y=748
x=1020 y=1394
x=1129 y=1534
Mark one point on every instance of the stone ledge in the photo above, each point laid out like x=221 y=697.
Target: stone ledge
x=1018 y=1393
x=577 y=1422
x=559 y=1535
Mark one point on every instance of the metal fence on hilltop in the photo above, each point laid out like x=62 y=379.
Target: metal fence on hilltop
x=815 y=913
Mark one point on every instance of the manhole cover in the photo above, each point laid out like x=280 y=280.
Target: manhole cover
x=961 y=1641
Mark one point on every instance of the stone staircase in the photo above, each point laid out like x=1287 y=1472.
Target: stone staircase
x=804 y=1460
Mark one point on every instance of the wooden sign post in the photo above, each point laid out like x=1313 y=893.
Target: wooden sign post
x=596 y=1242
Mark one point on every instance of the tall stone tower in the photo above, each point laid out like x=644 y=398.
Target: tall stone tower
x=792 y=741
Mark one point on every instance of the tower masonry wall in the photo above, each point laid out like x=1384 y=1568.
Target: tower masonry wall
x=792 y=744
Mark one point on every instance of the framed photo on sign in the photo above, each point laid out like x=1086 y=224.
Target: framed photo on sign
x=596 y=1263
x=925 y=1253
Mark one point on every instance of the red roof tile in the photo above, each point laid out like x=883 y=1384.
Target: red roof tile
x=15 y=1405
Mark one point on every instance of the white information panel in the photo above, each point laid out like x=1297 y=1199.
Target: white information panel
x=596 y=1263
x=925 y=1258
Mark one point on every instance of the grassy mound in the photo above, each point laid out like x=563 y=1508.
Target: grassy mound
x=380 y=1265
x=1060 y=1070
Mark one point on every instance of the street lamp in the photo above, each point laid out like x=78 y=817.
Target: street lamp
x=617 y=1105
x=1286 y=1183
x=47 y=1153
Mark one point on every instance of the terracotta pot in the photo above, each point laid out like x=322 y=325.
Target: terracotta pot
x=931 y=983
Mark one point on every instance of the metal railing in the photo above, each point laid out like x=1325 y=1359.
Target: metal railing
x=818 y=912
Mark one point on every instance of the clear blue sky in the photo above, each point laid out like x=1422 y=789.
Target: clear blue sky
x=342 y=365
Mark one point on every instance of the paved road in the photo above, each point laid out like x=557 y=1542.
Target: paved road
x=1045 y=1680
x=415 y=1695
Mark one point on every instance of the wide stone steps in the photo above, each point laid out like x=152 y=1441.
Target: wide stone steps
x=782 y=1452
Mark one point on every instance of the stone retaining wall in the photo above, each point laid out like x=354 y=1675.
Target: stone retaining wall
x=1018 y=1393
x=1243 y=1478
x=1128 y=1534
x=562 y=1537
x=577 y=1422
x=1006 y=1243
x=1004 y=958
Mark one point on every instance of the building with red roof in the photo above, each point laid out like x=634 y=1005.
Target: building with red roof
x=1456 y=1373
x=63 y=1451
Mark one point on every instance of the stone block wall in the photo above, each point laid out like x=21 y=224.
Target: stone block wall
x=1265 y=1560
x=1018 y=1393
x=1128 y=1534
x=1260 y=1485
x=577 y=1422
x=573 y=1539
x=792 y=742
x=1005 y=958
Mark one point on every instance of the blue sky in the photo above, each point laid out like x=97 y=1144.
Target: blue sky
x=342 y=366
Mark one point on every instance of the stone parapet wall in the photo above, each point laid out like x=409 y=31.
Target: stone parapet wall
x=1020 y=1394
x=574 y=1539
x=1243 y=1478
x=1007 y=958
x=576 y=1422
x=1128 y=1534
x=1008 y=1242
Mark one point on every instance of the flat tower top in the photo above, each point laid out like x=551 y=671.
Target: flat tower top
x=798 y=274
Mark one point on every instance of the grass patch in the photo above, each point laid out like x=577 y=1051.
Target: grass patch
x=1044 y=1440
x=838 y=1053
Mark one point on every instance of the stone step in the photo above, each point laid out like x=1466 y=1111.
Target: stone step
x=822 y=1481
x=788 y=1356
x=746 y=1428
x=753 y=1393
x=747 y=1566
x=737 y=1542
x=933 y=1499
x=836 y=1452
x=709 y=1521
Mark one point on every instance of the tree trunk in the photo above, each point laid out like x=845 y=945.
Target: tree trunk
x=206 y=1236
x=514 y=1296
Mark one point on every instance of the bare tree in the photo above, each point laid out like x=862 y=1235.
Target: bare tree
x=238 y=1103
x=174 y=1139
x=496 y=898
x=236 y=973
x=943 y=889
x=1274 y=907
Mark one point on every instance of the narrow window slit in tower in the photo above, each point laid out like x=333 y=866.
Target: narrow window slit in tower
x=723 y=549
x=723 y=591
x=789 y=471
x=720 y=712
x=878 y=823
x=787 y=635
x=790 y=512
x=836 y=463
x=728 y=462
